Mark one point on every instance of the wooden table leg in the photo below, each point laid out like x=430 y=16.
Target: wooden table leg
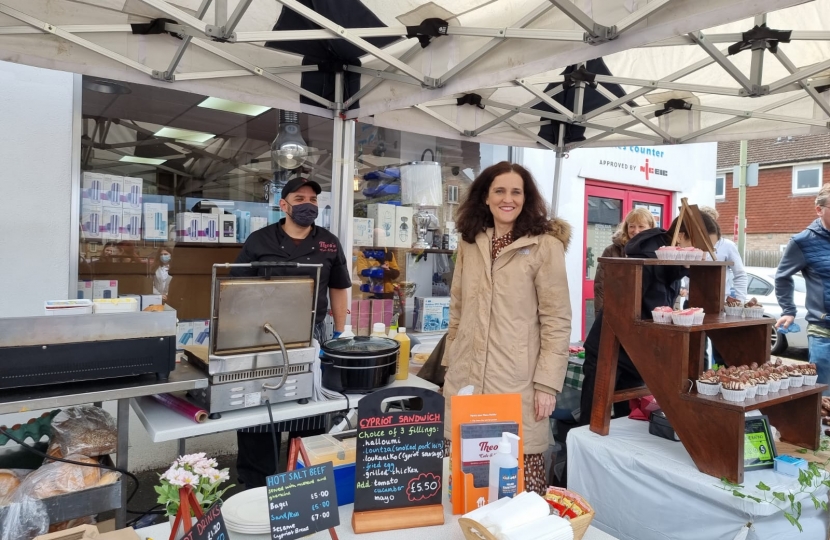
x=606 y=378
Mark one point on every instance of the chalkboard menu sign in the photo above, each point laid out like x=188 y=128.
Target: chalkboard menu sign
x=302 y=502
x=210 y=526
x=400 y=454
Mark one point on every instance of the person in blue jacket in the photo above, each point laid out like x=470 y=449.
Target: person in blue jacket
x=808 y=252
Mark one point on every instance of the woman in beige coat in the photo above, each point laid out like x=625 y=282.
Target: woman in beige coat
x=510 y=313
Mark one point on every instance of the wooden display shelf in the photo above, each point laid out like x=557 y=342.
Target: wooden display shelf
x=670 y=359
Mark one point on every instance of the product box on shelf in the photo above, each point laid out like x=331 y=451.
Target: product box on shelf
x=148 y=300
x=227 y=229
x=432 y=314
x=133 y=193
x=403 y=227
x=243 y=225
x=92 y=221
x=201 y=332
x=184 y=334
x=364 y=318
x=130 y=224
x=155 y=221
x=383 y=216
x=113 y=189
x=85 y=290
x=324 y=205
x=258 y=223
x=104 y=288
x=210 y=228
x=111 y=220
x=363 y=231
x=188 y=227
x=92 y=186
x=377 y=312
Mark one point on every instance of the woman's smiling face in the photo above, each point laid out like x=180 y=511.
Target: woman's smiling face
x=506 y=198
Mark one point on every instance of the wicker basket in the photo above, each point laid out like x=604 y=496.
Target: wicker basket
x=475 y=531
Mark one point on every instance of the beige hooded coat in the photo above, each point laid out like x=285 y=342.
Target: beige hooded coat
x=510 y=324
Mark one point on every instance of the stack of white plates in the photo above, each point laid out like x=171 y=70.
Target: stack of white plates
x=247 y=512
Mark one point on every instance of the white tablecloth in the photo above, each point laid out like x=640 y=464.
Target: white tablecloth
x=643 y=487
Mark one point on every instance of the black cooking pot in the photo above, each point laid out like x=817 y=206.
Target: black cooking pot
x=359 y=365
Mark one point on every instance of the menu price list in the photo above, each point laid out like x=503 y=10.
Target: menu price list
x=302 y=502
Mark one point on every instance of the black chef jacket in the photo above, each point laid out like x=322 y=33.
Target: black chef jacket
x=319 y=247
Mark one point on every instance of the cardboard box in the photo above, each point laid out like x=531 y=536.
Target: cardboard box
x=432 y=314
x=155 y=221
x=188 y=227
x=210 y=228
x=92 y=186
x=184 y=334
x=90 y=532
x=324 y=205
x=104 y=288
x=111 y=224
x=133 y=196
x=112 y=192
x=364 y=318
x=403 y=227
x=258 y=223
x=383 y=216
x=227 y=229
x=377 y=313
x=201 y=333
x=148 y=300
x=363 y=231
x=92 y=221
x=130 y=224
x=85 y=290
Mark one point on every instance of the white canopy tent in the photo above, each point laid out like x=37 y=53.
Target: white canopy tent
x=505 y=51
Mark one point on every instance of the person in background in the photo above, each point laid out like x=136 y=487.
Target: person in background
x=510 y=312
x=635 y=222
x=110 y=253
x=294 y=239
x=161 y=272
x=726 y=250
x=808 y=252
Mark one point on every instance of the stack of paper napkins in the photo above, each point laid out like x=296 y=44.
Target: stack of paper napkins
x=524 y=517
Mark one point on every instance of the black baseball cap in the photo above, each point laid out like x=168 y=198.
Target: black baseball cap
x=296 y=183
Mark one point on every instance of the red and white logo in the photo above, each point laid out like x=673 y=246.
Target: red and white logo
x=648 y=171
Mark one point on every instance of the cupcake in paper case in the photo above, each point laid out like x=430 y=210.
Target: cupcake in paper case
x=685 y=317
x=708 y=384
x=784 y=377
x=796 y=377
x=734 y=311
x=662 y=315
x=699 y=314
x=810 y=374
x=774 y=382
x=733 y=390
x=667 y=253
x=749 y=385
x=761 y=383
x=753 y=309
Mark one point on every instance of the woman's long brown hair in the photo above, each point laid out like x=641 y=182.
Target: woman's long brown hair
x=474 y=215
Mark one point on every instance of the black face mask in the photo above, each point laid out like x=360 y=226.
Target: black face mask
x=304 y=214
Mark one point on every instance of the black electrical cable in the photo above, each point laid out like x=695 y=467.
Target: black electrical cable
x=274 y=438
x=62 y=460
x=151 y=511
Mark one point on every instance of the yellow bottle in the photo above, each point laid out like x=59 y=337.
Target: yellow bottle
x=403 y=354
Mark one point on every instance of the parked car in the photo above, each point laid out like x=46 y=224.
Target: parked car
x=761 y=285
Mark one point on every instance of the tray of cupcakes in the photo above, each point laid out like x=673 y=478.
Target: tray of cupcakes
x=738 y=383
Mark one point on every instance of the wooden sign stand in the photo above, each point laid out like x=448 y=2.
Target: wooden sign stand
x=295 y=449
x=695 y=228
x=187 y=502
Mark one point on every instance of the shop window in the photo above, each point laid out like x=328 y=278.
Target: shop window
x=807 y=178
x=395 y=267
x=720 y=187
x=172 y=173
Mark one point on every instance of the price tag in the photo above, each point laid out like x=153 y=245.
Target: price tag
x=211 y=526
x=302 y=502
x=759 y=444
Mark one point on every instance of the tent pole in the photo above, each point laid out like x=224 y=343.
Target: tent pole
x=756 y=69
x=557 y=172
x=742 y=201
x=342 y=170
x=221 y=8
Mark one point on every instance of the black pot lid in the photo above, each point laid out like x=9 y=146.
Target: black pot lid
x=360 y=345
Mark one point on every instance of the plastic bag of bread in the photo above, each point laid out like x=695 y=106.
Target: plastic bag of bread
x=9 y=482
x=25 y=518
x=57 y=478
x=87 y=430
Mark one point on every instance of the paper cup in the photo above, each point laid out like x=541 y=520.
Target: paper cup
x=751 y=391
x=733 y=395
x=763 y=389
x=810 y=380
x=708 y=389
x=737 y=311
x=699 y=317
x=785 y=383
x=754 y=312
x=796 y=381
x=683 y=320
x=661 y=317
x=774 y=386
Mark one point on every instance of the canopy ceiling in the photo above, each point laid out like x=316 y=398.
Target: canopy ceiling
x=508 y=52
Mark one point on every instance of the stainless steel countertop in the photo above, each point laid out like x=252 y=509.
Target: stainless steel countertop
x=14 y=400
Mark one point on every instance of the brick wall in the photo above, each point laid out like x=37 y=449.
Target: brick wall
x=771 y=206
x=766 y=241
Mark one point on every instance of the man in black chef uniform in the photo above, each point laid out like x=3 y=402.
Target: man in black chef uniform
x=294 y=239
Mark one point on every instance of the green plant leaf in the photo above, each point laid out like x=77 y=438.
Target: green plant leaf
x=737 y=493
x=780 y=496
x=791 y=497
x=798 y=506
x=756 y=499
x=762 y=486
x=793 y=521
x=816 y=502
x=823 y=505
x=802 y=450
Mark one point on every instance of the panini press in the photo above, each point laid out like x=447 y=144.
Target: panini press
x=260 y=341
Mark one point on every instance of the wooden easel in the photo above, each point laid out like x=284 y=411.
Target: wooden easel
x=187 y=502
x=296 y=449
x=695 y=228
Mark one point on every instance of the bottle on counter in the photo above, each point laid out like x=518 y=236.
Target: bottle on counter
x=504 y=470
x=379 y=330
x=403 y=354
x=347 y=332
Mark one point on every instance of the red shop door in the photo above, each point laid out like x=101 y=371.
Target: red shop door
x=606 y=205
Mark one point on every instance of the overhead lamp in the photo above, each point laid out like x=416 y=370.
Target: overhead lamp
x=184 y=134
x=237 y=107
x=103 y=86
x=289 y=150
x=421 y=186
x=142 y=160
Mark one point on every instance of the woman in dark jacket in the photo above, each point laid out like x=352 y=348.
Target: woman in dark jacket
x=635 y=222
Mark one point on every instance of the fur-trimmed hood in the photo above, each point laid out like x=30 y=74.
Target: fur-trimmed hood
x=562 y=231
